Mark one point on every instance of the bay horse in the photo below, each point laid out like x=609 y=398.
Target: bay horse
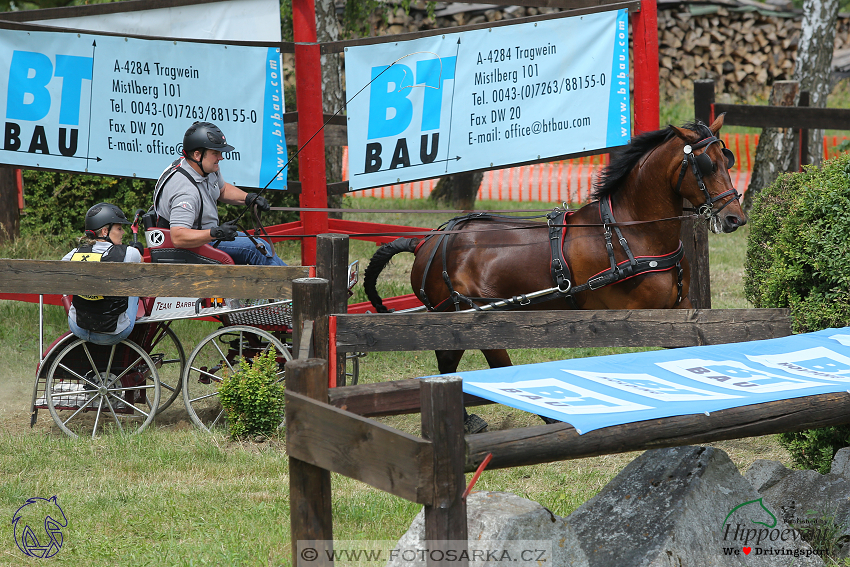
x=620 y=251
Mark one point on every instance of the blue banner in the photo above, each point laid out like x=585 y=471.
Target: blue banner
x=486 y=98
x=591 y=393
x=120 y=106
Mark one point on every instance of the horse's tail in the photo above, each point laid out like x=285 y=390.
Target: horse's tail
x=378 y=262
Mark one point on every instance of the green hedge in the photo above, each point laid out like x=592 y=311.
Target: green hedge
x=56 y=203
x=798 y=256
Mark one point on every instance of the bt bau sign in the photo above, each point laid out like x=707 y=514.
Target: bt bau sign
x=119 y=106
x=487 y=98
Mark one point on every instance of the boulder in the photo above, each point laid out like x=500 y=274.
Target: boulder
x=841 y=463
x=763 y=474
x=684 y=506
x=500 y=517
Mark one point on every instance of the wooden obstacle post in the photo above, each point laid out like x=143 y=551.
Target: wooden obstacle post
x=803 y=158
x=309 y=486
x=310 y=513
x=442 y=425
x=332 y=265
x=310 y=303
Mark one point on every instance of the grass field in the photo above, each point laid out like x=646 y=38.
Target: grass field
x=173 y=496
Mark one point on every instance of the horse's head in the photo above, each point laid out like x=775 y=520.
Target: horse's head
x=703 y=175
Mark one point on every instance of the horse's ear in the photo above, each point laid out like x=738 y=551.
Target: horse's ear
x=717 y=124
x=685 y=134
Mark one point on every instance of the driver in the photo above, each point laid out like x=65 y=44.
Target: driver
x=95 y=318
x=186 y=194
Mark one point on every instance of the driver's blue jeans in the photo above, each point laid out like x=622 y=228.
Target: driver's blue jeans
x=243 y=252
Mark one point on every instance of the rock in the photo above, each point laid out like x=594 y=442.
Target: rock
x=763 y=474
x=816 y=503
x=684 y=506
x=841 y=463
x=500 y=517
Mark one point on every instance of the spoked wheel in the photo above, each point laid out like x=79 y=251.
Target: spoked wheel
x=219 y=355
x=168 y=354
x=91 y=388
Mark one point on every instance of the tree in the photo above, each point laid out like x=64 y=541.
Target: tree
x=777 y=147
x=814 y=60
x=458 y=190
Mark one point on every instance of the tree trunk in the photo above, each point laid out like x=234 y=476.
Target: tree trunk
x=333 y=91
x=9 y=212
x=458 y=190
x=776 y=150
x=814 y=61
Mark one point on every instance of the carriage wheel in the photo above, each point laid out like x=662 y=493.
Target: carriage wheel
x=91 y=388
x=216 y=355
x=352 y=368
x=165 y=349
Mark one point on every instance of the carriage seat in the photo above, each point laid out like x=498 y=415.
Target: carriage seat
x=161 y=250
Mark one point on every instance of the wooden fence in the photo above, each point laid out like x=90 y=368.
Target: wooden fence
x=329 y=429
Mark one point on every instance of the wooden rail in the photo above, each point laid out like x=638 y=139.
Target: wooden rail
x=469 y=330
x=177 y=280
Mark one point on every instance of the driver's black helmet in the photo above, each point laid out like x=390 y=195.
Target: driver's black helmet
x=103 y=214
x=204 y=135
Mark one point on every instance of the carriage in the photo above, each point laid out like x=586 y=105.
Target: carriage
x=87 y=388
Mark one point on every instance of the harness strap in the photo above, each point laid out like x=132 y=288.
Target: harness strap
x=560 y=268
x=160 y=183
x=633 y=266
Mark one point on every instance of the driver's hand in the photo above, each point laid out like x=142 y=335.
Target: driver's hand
x=252 y=199
x=227 y=231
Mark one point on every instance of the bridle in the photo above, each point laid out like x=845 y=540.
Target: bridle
x=702 y=166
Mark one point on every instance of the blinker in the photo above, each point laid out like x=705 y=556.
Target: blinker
x=730 y=158
x=704 y=163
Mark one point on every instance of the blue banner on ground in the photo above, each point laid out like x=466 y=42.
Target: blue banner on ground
x=591 y=393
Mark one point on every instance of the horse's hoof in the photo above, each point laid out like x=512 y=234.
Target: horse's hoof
x=474 y=424
x=549 y=420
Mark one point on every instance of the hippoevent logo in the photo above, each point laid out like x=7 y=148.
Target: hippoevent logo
x=751 y=529
x=38 y=527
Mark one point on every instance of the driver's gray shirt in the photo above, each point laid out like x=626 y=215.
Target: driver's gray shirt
x=180 y=202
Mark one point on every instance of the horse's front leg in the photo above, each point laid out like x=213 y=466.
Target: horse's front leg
x=448 y=360
x=497 y=358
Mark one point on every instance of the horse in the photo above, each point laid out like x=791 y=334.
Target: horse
x=620 y=251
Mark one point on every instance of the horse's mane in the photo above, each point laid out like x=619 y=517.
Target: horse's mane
x=612 y=177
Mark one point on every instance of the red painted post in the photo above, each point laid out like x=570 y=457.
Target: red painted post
x=645 y=38
x=308 y=92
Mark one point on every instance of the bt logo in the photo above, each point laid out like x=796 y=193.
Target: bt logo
x=391 y=109
x=28 y=99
